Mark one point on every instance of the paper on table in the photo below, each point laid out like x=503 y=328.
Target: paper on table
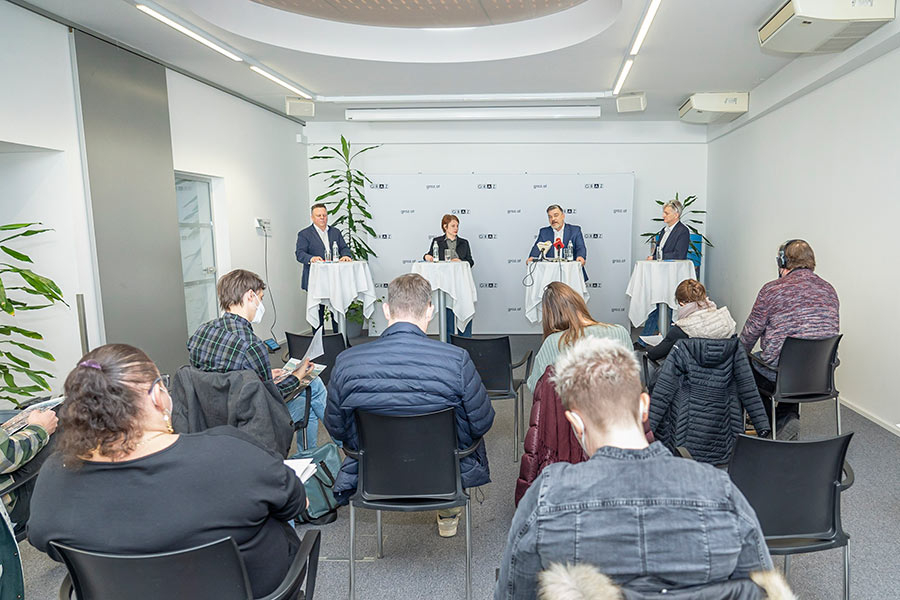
x=303 y=467
x=652 y=340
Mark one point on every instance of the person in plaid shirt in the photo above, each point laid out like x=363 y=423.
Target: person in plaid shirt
x=20 y=455
x=798 y=304
x=229 y=344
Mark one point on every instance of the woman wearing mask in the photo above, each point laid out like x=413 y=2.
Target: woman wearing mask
x=123 y=482
x=457 y=248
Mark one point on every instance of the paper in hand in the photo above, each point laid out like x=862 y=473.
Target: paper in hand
x=316 y=348
x=651 y=340
x=303 y=467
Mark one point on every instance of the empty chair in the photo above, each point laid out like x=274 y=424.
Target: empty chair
x=212 y=571
x=795 y=489
x=332 y=344
x=408 y=464
x=805 y=373
x=493 y=361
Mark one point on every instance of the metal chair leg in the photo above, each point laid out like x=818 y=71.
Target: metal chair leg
x=352 y=552
x=303 y=438
x=787 y=566
x=837 y=413
x=468 y=552
x=380 y=547
x=516 y=428
x=774 y=420
x=847 y=571
x=523 y=426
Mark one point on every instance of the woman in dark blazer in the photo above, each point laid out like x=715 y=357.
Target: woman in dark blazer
x=459 y=251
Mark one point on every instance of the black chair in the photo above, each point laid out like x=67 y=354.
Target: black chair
x=805 y=373
x=408 y=464
x=795 y=489
x=493 y=361
x=332 y=344
x=213 y=571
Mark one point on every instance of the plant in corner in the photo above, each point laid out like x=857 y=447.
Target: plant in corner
x=690 y=217
x=17 y=284
x=344 y=197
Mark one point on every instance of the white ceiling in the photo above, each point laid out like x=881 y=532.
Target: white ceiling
x=693 y=46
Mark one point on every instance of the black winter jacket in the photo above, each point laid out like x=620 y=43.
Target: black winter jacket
x=700 y=397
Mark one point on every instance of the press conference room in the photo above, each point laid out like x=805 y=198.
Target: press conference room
x=448 y=299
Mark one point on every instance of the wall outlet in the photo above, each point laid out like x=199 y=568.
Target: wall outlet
x=263 y=224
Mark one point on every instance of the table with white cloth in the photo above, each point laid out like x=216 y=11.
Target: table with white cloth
x=453 y=288
x=653 y=282
x=541 y=273
x=337 y=285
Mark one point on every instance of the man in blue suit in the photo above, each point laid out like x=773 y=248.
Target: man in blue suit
x=559 y=230
x=314 y=242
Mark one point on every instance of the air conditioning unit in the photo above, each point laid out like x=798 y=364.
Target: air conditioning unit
x=714 y=107
x=822 y=26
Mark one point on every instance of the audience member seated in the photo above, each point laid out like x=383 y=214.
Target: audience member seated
x=21 y=455
x=566 y=319
x=229 y=344
x=798 y=304
x=405 y=373
x=640 y=515
x=696 y=317
x=700 y=397
x=122 y=482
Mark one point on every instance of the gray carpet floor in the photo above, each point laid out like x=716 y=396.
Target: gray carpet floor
x=420 y=564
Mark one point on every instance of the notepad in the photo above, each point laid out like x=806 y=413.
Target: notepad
x=652 y=340
x=303 y=467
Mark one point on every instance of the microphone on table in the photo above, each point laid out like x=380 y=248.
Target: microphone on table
x=544 y=247
x=558 y=245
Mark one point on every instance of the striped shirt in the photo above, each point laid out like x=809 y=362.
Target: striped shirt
x=15 y=451
x=229 y=344
x=801 y=305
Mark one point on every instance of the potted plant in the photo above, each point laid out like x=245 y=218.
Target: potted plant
x=346 y=199
x=691 y=218
x=18 y=286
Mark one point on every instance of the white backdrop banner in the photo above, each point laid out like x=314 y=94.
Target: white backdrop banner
x=500 y=216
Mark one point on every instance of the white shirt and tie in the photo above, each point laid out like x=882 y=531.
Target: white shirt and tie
x=323 y=235
x=662 y=241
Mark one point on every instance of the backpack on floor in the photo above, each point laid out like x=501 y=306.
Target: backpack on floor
x=322 y=507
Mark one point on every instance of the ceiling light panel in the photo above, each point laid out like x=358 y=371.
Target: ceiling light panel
x=282 y=82
x=183 y=28
x=503 y=113
x=645 y=27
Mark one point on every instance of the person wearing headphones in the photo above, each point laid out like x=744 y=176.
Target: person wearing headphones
x=798 y=304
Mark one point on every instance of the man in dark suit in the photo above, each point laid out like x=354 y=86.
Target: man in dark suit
x=317 y=241
x=673 y=241
x=559 y=230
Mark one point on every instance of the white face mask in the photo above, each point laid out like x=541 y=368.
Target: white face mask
x=260 y=311
x=577 y=417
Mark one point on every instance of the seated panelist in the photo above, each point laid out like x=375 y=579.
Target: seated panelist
x=564 y=233
x=457 y=248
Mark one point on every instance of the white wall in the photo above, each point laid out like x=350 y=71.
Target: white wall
x=665 y=157
x=38 y=108
x=263 y=174
x=823 y=168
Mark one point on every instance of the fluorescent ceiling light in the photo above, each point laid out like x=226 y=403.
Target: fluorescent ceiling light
x=448 y=98
x=497 y=113
x=621 y=81
x=191 y=34
x=645 y=27
x=282 y=82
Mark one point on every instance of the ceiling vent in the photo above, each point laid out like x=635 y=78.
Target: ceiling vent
x=631 y=103
x=714 y=107
x=299 y=107
x=823 y=26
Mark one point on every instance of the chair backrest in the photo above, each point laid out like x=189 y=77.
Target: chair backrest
x=794 y=487
x=212 y=571
x=806 y=369
x=729 y=589
x=332 y=344
x=493 y=360
x=408 y=456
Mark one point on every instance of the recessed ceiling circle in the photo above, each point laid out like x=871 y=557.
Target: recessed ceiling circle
x=253 y=20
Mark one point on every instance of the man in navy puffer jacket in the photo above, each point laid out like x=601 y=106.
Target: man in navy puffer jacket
x=406 y=373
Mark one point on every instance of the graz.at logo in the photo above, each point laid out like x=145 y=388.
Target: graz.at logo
x=594 y=285
x=513 y=261
x=381 y=285
x=593 y=186
x=514 y=309
x=378 y=186
x=488 y=236
x=407 y=211
x=619 y=211
x=489 y=285
x=540 y=186
x=513 y=211
x=593 y=236
x=460 y=211
x=433 y=186
x=385 y=236
x=618 y=309
x=409 y=261
x=571 y=211
x=487 y=186
x=618 y=261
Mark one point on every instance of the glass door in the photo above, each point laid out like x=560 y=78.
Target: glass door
x=198 y=249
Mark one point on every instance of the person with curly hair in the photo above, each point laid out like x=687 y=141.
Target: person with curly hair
x=123 y=482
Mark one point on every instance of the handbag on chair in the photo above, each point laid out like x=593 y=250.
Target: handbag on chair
x=322 y=507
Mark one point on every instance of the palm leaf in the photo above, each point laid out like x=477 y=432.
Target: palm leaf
x=28 y=233
x=16 y=254
x=14 y=226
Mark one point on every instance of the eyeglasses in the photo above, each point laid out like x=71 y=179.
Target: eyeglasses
x=164 y=379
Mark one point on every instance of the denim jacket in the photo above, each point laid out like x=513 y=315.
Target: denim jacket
x=640 y=516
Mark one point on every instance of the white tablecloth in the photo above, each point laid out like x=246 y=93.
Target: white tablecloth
x=543 y=273
x=455 y=279
x=653 y=282
x=337 y=285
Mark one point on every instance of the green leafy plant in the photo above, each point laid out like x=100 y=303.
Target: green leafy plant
x=690 y=217
x=345 y=196
x=18 y=284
